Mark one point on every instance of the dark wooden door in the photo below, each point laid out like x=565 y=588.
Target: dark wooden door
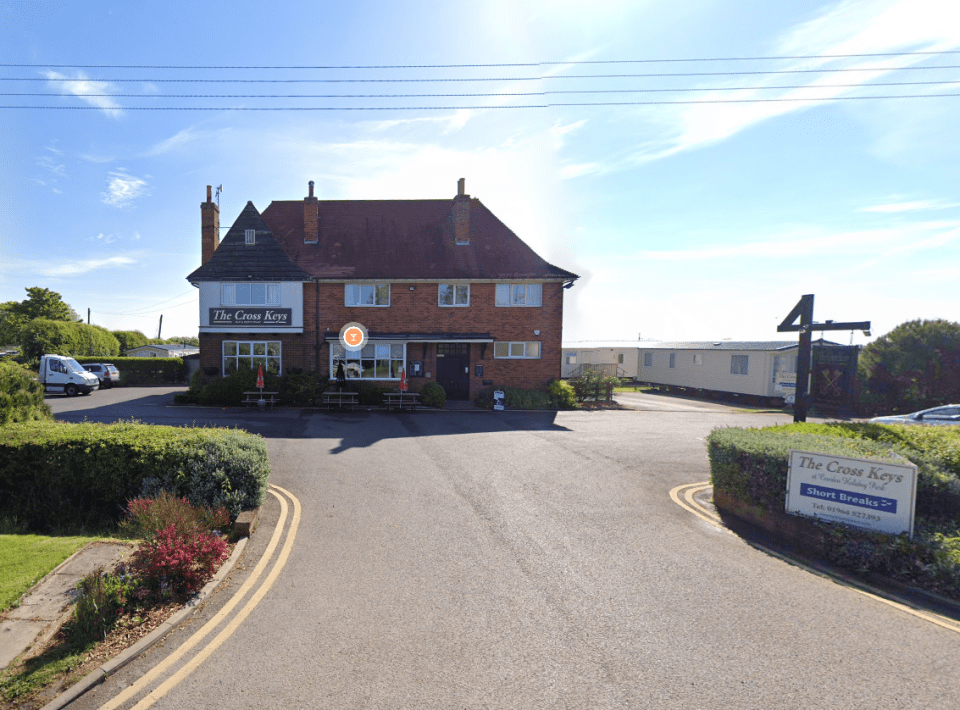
x=453 y=369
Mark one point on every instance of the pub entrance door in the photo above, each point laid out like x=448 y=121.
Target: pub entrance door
x=453 y=369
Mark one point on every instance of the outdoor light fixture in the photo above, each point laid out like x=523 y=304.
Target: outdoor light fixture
x=536 y=332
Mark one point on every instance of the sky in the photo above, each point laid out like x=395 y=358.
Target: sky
x=727 y=162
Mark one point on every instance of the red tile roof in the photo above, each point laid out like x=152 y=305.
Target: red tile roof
x=404 y=239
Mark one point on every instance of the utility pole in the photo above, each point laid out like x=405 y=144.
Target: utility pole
x=160 y=327
x=803 y=312
x=88 y=316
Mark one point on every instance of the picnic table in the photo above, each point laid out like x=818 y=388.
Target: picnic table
x=401 y=400
x=263 y=399
x=339 y=399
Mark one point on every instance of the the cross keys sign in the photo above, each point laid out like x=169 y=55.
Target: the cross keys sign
x=801 y=319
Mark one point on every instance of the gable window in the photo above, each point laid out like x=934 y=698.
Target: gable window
x=250 y=353
x=366 y=295
x=250 y=236
x=250 y=294
x=516 y=351
x=739 y=364
x=522 y=295
x=648 y=359
x=454 y=295
x=375 y=361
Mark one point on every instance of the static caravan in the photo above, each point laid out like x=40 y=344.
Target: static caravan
x=757 y=369
x=618 y=358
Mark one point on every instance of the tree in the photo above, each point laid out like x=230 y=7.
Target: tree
x=129 y=339
x=11 y=323
x=914 y=366
x=44 y=303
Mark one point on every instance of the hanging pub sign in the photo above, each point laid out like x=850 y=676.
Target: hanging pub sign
x=251 y=316
x=876 y=495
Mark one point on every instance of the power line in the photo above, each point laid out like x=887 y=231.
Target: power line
x=484 y=79
x=460 y=108
x=491 y=65
x=489 y=94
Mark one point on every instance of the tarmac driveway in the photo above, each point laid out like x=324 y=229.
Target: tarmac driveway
x=535 y=560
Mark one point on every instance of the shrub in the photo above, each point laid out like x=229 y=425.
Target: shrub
x=184 y=561
x=129 y=339
x=228 y=391
x=594 y=385
x=145 y=517
x=102 y=599
x=562 y=394
x=432 y=394
x=83 y=474
x=301 y=389
x=21 y=396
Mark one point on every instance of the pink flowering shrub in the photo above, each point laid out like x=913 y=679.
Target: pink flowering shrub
x=146 y=516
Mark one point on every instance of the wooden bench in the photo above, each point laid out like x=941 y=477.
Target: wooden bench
x=339 y=398
x=263 y=399
x=401 y=400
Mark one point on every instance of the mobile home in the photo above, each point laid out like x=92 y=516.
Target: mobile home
x=618 y=358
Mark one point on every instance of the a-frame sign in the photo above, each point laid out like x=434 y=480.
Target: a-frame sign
x=801 y=319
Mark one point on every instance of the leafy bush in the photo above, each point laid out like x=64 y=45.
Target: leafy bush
x=228 y=391
x=562 y=394
x=301 y=389
x=432 y=394
x=83 y=474
x=21 y=396
x=101 y=602
x=43 y=336
x=594 y=385
x=183 y=560
x=145 y=517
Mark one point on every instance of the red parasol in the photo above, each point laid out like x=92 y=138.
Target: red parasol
x=403 y=380
x=260 y=376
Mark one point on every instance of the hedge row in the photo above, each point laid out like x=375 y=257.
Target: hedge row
x=136 y=371
x=42 y=336
x=55 y=475
x=749 y=467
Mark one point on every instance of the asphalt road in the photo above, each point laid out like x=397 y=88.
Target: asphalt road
x=524 y=560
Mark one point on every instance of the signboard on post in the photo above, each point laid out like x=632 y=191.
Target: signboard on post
x=498 y=400
x=876 y=495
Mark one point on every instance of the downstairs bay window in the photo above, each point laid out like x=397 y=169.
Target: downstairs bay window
x=252 y=353
x=375 y=361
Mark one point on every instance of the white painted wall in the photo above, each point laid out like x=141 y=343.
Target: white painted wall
x=291 y=296
x=713 y=372
x=574 y=356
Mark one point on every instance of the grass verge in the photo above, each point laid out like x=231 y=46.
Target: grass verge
x=25 y=559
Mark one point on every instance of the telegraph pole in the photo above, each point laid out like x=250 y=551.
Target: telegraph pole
x=803 y=312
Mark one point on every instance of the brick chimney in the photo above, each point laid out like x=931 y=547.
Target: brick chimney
x=461 y=214
x=209 y=228
x=311 y=218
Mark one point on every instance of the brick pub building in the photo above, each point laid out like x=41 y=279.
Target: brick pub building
x=444 y=289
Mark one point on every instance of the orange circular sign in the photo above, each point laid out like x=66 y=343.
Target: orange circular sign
x=353 y=336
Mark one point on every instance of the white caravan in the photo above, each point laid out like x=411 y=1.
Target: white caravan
x=64 y=374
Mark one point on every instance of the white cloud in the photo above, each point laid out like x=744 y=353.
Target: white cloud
x=75 y=268
x=92 y=92
x=123 y=189
x=913 y=206
x=173 y=143
x=573 y=171
x=52 y=166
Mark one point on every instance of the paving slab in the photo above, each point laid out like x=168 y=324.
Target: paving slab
x=47 y=605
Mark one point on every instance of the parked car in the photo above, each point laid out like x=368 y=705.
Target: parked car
x=947 y=414
x=105 y=372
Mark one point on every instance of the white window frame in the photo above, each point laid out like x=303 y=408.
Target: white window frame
x=648 y=359
x=517 y=350
x=228 y=294
x=519 y=295
x=353 y=361
x=250 y=236
x=252 y=357
x=454 y=295
x=355 y=291
x=571 y=358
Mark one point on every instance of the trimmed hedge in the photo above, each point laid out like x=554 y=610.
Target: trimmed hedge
x=432 y=394
x=55 y=475
x=135 y=371
x=21 y=396
x=748 y=469
x=42 y=336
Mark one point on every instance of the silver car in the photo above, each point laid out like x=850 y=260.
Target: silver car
x=105 y=372
x=947 y=414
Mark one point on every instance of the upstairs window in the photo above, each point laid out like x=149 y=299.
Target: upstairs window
x=454 y=295
x=521 y=295
x=250 y=294
x=366 y=295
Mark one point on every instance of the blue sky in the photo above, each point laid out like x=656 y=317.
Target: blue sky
x=686 y=221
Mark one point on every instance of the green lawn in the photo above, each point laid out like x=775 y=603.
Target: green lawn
x=25 y=559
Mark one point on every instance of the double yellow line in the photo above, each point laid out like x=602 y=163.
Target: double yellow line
x=684 y=497
x=173 y=659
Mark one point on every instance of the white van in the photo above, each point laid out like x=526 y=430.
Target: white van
x=64 y=374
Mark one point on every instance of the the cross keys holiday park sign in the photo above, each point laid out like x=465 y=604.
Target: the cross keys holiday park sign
x=876 y=495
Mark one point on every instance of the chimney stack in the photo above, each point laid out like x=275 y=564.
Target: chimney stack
x=209 y=228
x=461 y=214
x=311 y=218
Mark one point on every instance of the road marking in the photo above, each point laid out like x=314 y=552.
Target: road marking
x=688 y=503
x=234 y=623
x=207 y=628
